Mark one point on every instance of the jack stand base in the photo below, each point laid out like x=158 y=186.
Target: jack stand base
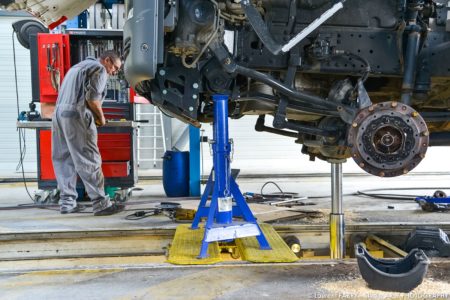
x=231 y=231
x=224 y=232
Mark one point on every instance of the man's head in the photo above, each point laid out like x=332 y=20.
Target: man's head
x=111 y=61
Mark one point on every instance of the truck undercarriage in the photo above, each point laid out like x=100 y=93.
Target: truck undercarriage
x=361 y=79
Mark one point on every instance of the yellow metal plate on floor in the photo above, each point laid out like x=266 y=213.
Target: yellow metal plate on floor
x=249 y=248
x=186 y=245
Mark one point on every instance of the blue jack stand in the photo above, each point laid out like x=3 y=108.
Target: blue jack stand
x=223 y=188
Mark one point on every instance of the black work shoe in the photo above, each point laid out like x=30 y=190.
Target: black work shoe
x=76 y=209
x=113 y=209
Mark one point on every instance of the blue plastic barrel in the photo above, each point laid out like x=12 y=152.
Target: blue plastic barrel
x=176 y=173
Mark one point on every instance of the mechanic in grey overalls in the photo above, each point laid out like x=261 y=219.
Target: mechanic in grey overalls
x=74 y=133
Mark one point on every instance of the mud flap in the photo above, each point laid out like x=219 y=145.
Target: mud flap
x=402 y=275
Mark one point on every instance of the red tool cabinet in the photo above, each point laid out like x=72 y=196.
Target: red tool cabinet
x=115 y=149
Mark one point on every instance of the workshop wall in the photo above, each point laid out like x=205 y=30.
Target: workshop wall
x=9 y=145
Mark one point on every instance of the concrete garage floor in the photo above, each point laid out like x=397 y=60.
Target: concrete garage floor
x=357 y=208
x=294 y=281
x=151 y=278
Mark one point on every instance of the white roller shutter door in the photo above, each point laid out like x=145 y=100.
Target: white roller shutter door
x=9 y=141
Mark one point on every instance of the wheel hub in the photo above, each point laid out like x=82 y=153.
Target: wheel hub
x=388 y=139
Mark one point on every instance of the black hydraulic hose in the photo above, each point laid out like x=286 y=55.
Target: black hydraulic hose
x=285 y=90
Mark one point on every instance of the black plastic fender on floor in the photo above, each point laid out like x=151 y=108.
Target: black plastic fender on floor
x=400 y=275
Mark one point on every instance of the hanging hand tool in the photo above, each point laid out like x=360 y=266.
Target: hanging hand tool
x=52 y=60
x=49 y=62
x=56 y=78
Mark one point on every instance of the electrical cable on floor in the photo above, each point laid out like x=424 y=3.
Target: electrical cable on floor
x=89 y=205
x=271 y=182
x=22 y=151
x=329 y=196
x=56 y=207
x=368 y=193
x=34 y=205
x=22 y=206
x=282 y=196
x=141 y=214
x=387 y=196
x=365 y=193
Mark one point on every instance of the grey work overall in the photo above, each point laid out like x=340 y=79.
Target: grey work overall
x=74 y=135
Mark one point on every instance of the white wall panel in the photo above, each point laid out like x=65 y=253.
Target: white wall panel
x=9 y=142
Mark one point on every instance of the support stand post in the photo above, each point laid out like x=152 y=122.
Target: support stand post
x=194 y=161
x=337 y=226
x=223 y=189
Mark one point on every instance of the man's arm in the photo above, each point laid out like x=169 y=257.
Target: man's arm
x=96 y=85
x=96 y=108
